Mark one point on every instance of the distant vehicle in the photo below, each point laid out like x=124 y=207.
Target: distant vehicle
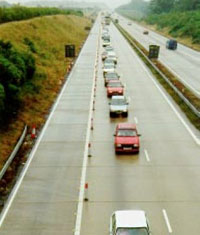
x=114 y=88
x=129 y=23
x=109 y=61
x=108 y=69
x=109 y=48
x=116 y=21
x=112 y=56
x=119 y=106
x=126 y=138
x=110 y=77
x=171 y=44
x=106 y=43
x=146 y=32
x=106 y=36
x=104 y=55
x=129 y=222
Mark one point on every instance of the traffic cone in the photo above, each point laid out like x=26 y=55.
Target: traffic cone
x=86 y=192
x=89 y=150
x=33 y=132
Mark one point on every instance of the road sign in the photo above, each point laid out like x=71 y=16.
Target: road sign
x=154 y=51
x=70 y=51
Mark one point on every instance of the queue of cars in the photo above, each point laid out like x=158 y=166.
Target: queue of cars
x=126 y=139
x=126 y=135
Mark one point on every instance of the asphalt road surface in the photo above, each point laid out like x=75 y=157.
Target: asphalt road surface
x=184 y=62
x=163 y=179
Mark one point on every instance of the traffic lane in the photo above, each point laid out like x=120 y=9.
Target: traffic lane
x=47 y=198
x=183 y=66
x=109 y=187
x=110 y=176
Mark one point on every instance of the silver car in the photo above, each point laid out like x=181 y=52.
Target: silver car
x=118 y=106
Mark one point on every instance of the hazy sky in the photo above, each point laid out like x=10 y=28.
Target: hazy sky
x=110 y=3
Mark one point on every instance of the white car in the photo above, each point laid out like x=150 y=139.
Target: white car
x=129 y=222
x=118 y=106
x=109 y=61
x=112 y=55
x=106 y=43
x=108 y=69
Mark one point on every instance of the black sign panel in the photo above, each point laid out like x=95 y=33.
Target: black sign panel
x=70 y=51
x=154 y=51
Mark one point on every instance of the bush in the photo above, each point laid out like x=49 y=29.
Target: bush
x=17 y=13
x=16 y=68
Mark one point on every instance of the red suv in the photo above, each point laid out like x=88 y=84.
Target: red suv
x=126 y=138
x=114 y=87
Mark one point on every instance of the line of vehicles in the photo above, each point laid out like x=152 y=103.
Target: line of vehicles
x=122 y=222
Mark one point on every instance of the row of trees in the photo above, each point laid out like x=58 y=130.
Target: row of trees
x=160 y=6
x=16 y=68
x=17 y=13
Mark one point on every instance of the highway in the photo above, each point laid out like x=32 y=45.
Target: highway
x=184 y=62
x=163 y=179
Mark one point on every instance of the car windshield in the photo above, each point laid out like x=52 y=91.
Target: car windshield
x=108 y=61
x=114 y=84
x=132 y=231
x=109 y=66
x=111 y=75
x=109 y=49
x=126 y=132
x=118 y=102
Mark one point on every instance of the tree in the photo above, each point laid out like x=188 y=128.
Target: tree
x=160 y=6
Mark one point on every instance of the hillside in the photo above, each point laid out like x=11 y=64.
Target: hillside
x=48 y=35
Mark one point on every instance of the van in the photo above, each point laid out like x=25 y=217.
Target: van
x=129 y=222
x=171 y=44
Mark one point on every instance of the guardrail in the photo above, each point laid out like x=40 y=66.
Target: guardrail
x=14 y=152
x=178 y=92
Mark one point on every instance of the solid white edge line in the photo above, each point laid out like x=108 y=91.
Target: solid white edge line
x=147 y=155
x=32 y=154
x=170 y=103
x=85 y=158
x=167 y=221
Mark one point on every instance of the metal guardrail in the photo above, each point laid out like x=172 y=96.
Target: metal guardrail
x=178 y=92
x=14 y=152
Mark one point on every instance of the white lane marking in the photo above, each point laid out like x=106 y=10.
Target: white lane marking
x=147 y=155
x=136 y=120
x=169 y=102
x=167 y=221
x=77 y=230
x=32 y=154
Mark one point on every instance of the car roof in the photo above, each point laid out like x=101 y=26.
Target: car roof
x=118 y=97
x=126 y=126
x=130 y=219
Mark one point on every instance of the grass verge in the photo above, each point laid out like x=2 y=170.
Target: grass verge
x=187 y=93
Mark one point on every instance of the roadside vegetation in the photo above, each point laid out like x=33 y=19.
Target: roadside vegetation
x=32 y=70
x=17 y=13
x=176 y=18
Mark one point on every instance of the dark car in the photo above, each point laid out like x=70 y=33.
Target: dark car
x=171 y=44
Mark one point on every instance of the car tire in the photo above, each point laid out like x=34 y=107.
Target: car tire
x=125 y=115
